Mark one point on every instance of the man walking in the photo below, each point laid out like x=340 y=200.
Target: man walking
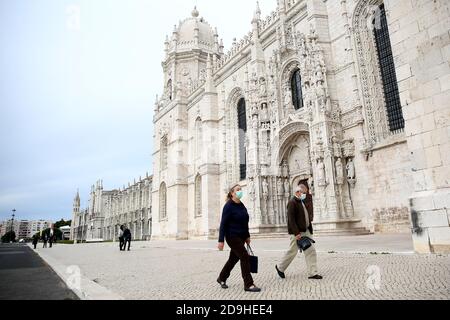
x=126 y=239
x=300 y=218
x=51 y=236
x=35 y=241
x=44 y=239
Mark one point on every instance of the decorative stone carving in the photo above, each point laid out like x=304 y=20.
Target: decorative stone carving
x=348 y=148
x=287 y=98
x=370 y=77
x=202 y=76
x=352 y=118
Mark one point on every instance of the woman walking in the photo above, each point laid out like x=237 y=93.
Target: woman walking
x=234 y=229
x=121 y=239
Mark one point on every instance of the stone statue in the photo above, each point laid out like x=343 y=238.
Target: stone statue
x=287 y=97
x=320 y=93
x=311 y=185
x=285 y=169
x=255 y=123
x=190 y=85
x=287 y=187
x=280 y=187
x=179 y=89
x=265 y=115
x=251 y=189
x=351 y=170
x=265 y=187
x=262 y=87
x=319 y=74
x=336 y=147
x=321 y=172
x=339 y=172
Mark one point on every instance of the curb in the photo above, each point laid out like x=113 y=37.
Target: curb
x=88 y=289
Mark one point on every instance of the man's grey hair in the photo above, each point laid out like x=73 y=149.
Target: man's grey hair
x=301 y=188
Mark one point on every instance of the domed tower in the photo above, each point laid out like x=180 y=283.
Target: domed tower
x=188 y=88
x=187 y=52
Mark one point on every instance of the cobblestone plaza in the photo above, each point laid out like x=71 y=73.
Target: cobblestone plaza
x=368 y=267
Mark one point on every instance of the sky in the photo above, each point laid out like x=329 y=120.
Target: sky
x=78 y=80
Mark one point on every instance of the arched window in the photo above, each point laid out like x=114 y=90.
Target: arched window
x=242 y=125
x=296 y=86
x=387 y=69
x=198 y=196
x=164 y=153
x=163 y=202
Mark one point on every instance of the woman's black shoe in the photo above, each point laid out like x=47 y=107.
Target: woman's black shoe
x=253 y=289
x=222 y=284
x=281 y=274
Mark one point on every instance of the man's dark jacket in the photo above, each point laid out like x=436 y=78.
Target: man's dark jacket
x=127 y=234
x=296 y=215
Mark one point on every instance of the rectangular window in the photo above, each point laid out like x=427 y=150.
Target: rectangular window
x=388 y=75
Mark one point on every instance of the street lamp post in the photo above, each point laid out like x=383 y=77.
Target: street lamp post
x=12 y=224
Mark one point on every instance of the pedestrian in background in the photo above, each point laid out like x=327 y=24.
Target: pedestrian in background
x=121 y=239
x=35 y=241
x=126 y=239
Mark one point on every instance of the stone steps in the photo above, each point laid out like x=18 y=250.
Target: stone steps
x=318 y=233
x=343 y=232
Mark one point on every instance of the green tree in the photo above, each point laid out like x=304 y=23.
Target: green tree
x=8 y=237
x=63 y=223
x=57 y=233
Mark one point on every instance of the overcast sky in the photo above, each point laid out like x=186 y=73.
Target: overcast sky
x=77 y=95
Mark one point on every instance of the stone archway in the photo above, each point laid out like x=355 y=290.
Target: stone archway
x=286 y=136
x=296 y=154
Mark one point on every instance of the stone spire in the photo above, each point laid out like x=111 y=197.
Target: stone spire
x=257 y=15
x=76 y=201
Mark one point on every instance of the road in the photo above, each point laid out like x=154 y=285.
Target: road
x=25 y=276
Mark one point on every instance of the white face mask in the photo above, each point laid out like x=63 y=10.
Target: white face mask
x=302 y=197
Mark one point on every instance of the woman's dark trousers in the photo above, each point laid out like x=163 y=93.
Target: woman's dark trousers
x=121 y=243
x=238 y=253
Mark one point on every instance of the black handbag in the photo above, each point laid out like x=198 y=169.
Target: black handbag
x=305 y=243
x=253 y=260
